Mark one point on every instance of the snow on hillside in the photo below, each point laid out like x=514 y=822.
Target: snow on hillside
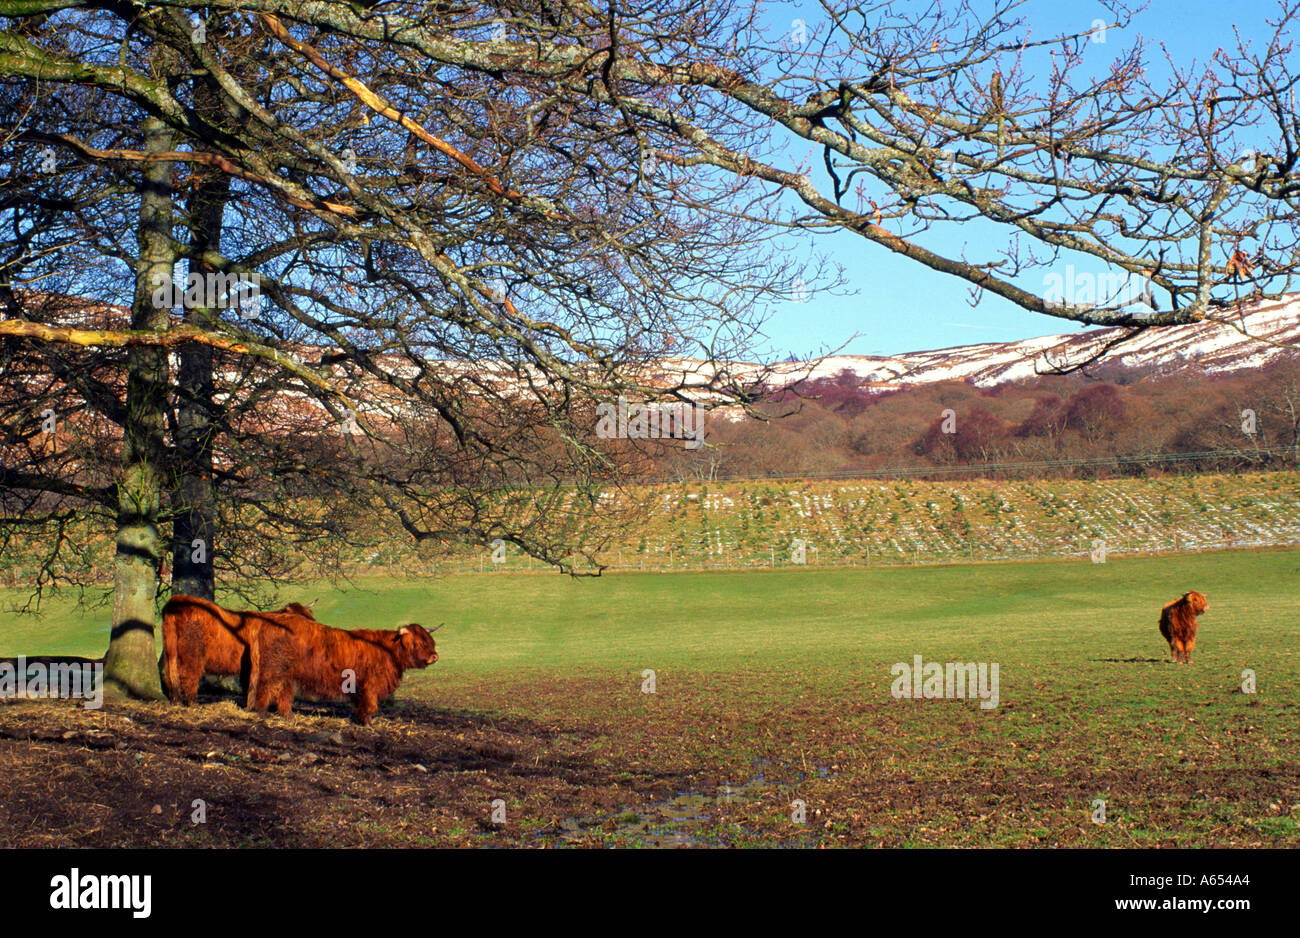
x=1236 y=342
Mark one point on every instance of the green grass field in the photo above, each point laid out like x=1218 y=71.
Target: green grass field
x=775 y=685
x=833 y=619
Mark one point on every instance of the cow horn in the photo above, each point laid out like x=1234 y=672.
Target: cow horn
x=436 y=627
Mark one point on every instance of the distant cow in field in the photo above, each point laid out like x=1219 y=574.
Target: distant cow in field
x=292 y=654
x=1178 y=624
x=200 y=637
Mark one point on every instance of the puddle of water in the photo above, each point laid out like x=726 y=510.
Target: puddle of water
x=668 y=824
x=674 y=840
x=687 y=806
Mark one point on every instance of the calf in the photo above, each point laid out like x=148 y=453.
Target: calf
x=200 y=637
x=291 y=654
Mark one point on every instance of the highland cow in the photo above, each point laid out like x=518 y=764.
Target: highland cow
x=1178 y=624
x=291 y=655
x=200 y=637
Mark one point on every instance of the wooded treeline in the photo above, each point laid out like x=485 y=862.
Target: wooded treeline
x=836 y=426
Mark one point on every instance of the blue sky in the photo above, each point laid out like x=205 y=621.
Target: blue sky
x=895 y=305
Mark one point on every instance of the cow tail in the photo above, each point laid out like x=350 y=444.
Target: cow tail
x=171 y=650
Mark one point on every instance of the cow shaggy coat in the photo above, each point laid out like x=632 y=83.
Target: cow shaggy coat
x=200 y=637
x=1178 y=624
x=293 y=655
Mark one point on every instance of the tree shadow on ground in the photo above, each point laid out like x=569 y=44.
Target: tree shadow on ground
x=136 y=774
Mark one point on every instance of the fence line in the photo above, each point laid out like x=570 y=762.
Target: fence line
x=1254 y=456
x=779 y=556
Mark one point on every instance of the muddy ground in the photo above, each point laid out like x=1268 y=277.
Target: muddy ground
x=724 y=765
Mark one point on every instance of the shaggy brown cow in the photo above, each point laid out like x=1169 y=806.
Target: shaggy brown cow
x=1178 y=624
x=200 y=637
x=294 y=655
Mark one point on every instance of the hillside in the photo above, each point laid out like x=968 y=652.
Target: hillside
x=698 y=526
x=756 y=523
x=1237 y=341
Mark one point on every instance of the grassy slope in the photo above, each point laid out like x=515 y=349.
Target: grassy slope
x=755 y=523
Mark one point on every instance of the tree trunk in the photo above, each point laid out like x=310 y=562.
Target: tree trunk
x=131 y=662
x=193 y=499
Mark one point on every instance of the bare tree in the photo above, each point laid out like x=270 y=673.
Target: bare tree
x=441 y=328
x=467 y=224
x=1178 y=194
